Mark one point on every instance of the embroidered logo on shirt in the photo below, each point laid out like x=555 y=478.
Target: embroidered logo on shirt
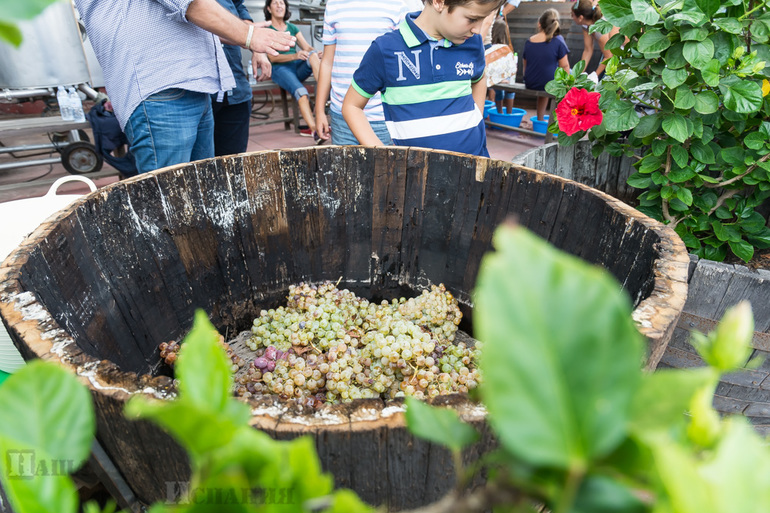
x=464 y=69
x=414 y=67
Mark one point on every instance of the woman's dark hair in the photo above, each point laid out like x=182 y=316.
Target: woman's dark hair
x=587 y=10
x=269 y=15
x=549 y=23
x=499 y=34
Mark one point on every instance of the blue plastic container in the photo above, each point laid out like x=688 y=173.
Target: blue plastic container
x=539 y=126
x=488 y=105
x=513 y=119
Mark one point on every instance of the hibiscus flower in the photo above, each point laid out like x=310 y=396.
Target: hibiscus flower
x=578 y=110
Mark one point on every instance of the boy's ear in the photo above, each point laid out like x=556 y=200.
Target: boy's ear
x=438 y=5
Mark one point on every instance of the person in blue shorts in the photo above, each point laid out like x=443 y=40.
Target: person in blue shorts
x=543 y=53
x=430 y=73
x=295 y=65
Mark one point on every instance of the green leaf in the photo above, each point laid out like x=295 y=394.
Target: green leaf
x=647 y=126
x=760 y=31
x=692 y=17
x=617 y=12
x=675 y=56
x=438 y=425
x=724 y=45
x=678 y=474
x=710 y=73
x=651 y=416
x=654 y=41
x=755 y=141
x=733 y=155
x=684 y=98
x=708 y=7
x=754 y=223
x=346 y=501
x=659 y=146
x=675 y=125
x=702 y=152
x=673 y=78
x=644 y=12
x=684 y=195
x=10 y=33
x=725 y=232
x=650 y=163
x=557 y=393
x=568 y=140
x=681 y=175
x=680 y=155
x=728 y=347
x=693 y=34
x=729 y=25
x=671 y=5
x=619 y=116
x=741 y=96
x=602 y=494
x=706 y=102
x=309 y=479
x=44 y=491
x=198 y=428
x=742 y=249
x=47 y=409
x=639 y=181
x=202 y=355
x=698 y=53
x=737 y=472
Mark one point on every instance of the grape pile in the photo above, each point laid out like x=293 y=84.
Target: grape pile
x=328 y=345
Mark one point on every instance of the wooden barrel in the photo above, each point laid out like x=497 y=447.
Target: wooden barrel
x=715 y=287
x=606 y=173
x=100 y=285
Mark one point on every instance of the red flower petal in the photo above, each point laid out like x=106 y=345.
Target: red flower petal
x=578 y=111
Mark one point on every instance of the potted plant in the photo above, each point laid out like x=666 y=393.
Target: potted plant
x=686 y=93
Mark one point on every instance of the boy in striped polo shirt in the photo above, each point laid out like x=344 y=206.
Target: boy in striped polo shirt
x=430 y=73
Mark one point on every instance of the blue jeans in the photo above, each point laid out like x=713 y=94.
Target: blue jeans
x=171 y=127
x=342 y=135
x=290 y=76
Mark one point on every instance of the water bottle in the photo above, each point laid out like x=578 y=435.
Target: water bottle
x=64 y=104
x=515 y=66
x=77 y=106
x=250 y=73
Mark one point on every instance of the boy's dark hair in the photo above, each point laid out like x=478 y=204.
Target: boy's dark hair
x=269 y=15
x=549 y=23
x=451 y=4
x=500 y=36
x=587 y=10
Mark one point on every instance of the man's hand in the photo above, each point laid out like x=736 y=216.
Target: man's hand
x=270 y=41
x=260 y=61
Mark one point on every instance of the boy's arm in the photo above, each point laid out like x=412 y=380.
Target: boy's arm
x=353 y=112
x=479 y=92
x=322 y=91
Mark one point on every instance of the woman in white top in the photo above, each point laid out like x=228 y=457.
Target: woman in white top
x=585 y=14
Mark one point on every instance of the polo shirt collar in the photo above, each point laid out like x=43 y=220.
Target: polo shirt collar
x=414 y=35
